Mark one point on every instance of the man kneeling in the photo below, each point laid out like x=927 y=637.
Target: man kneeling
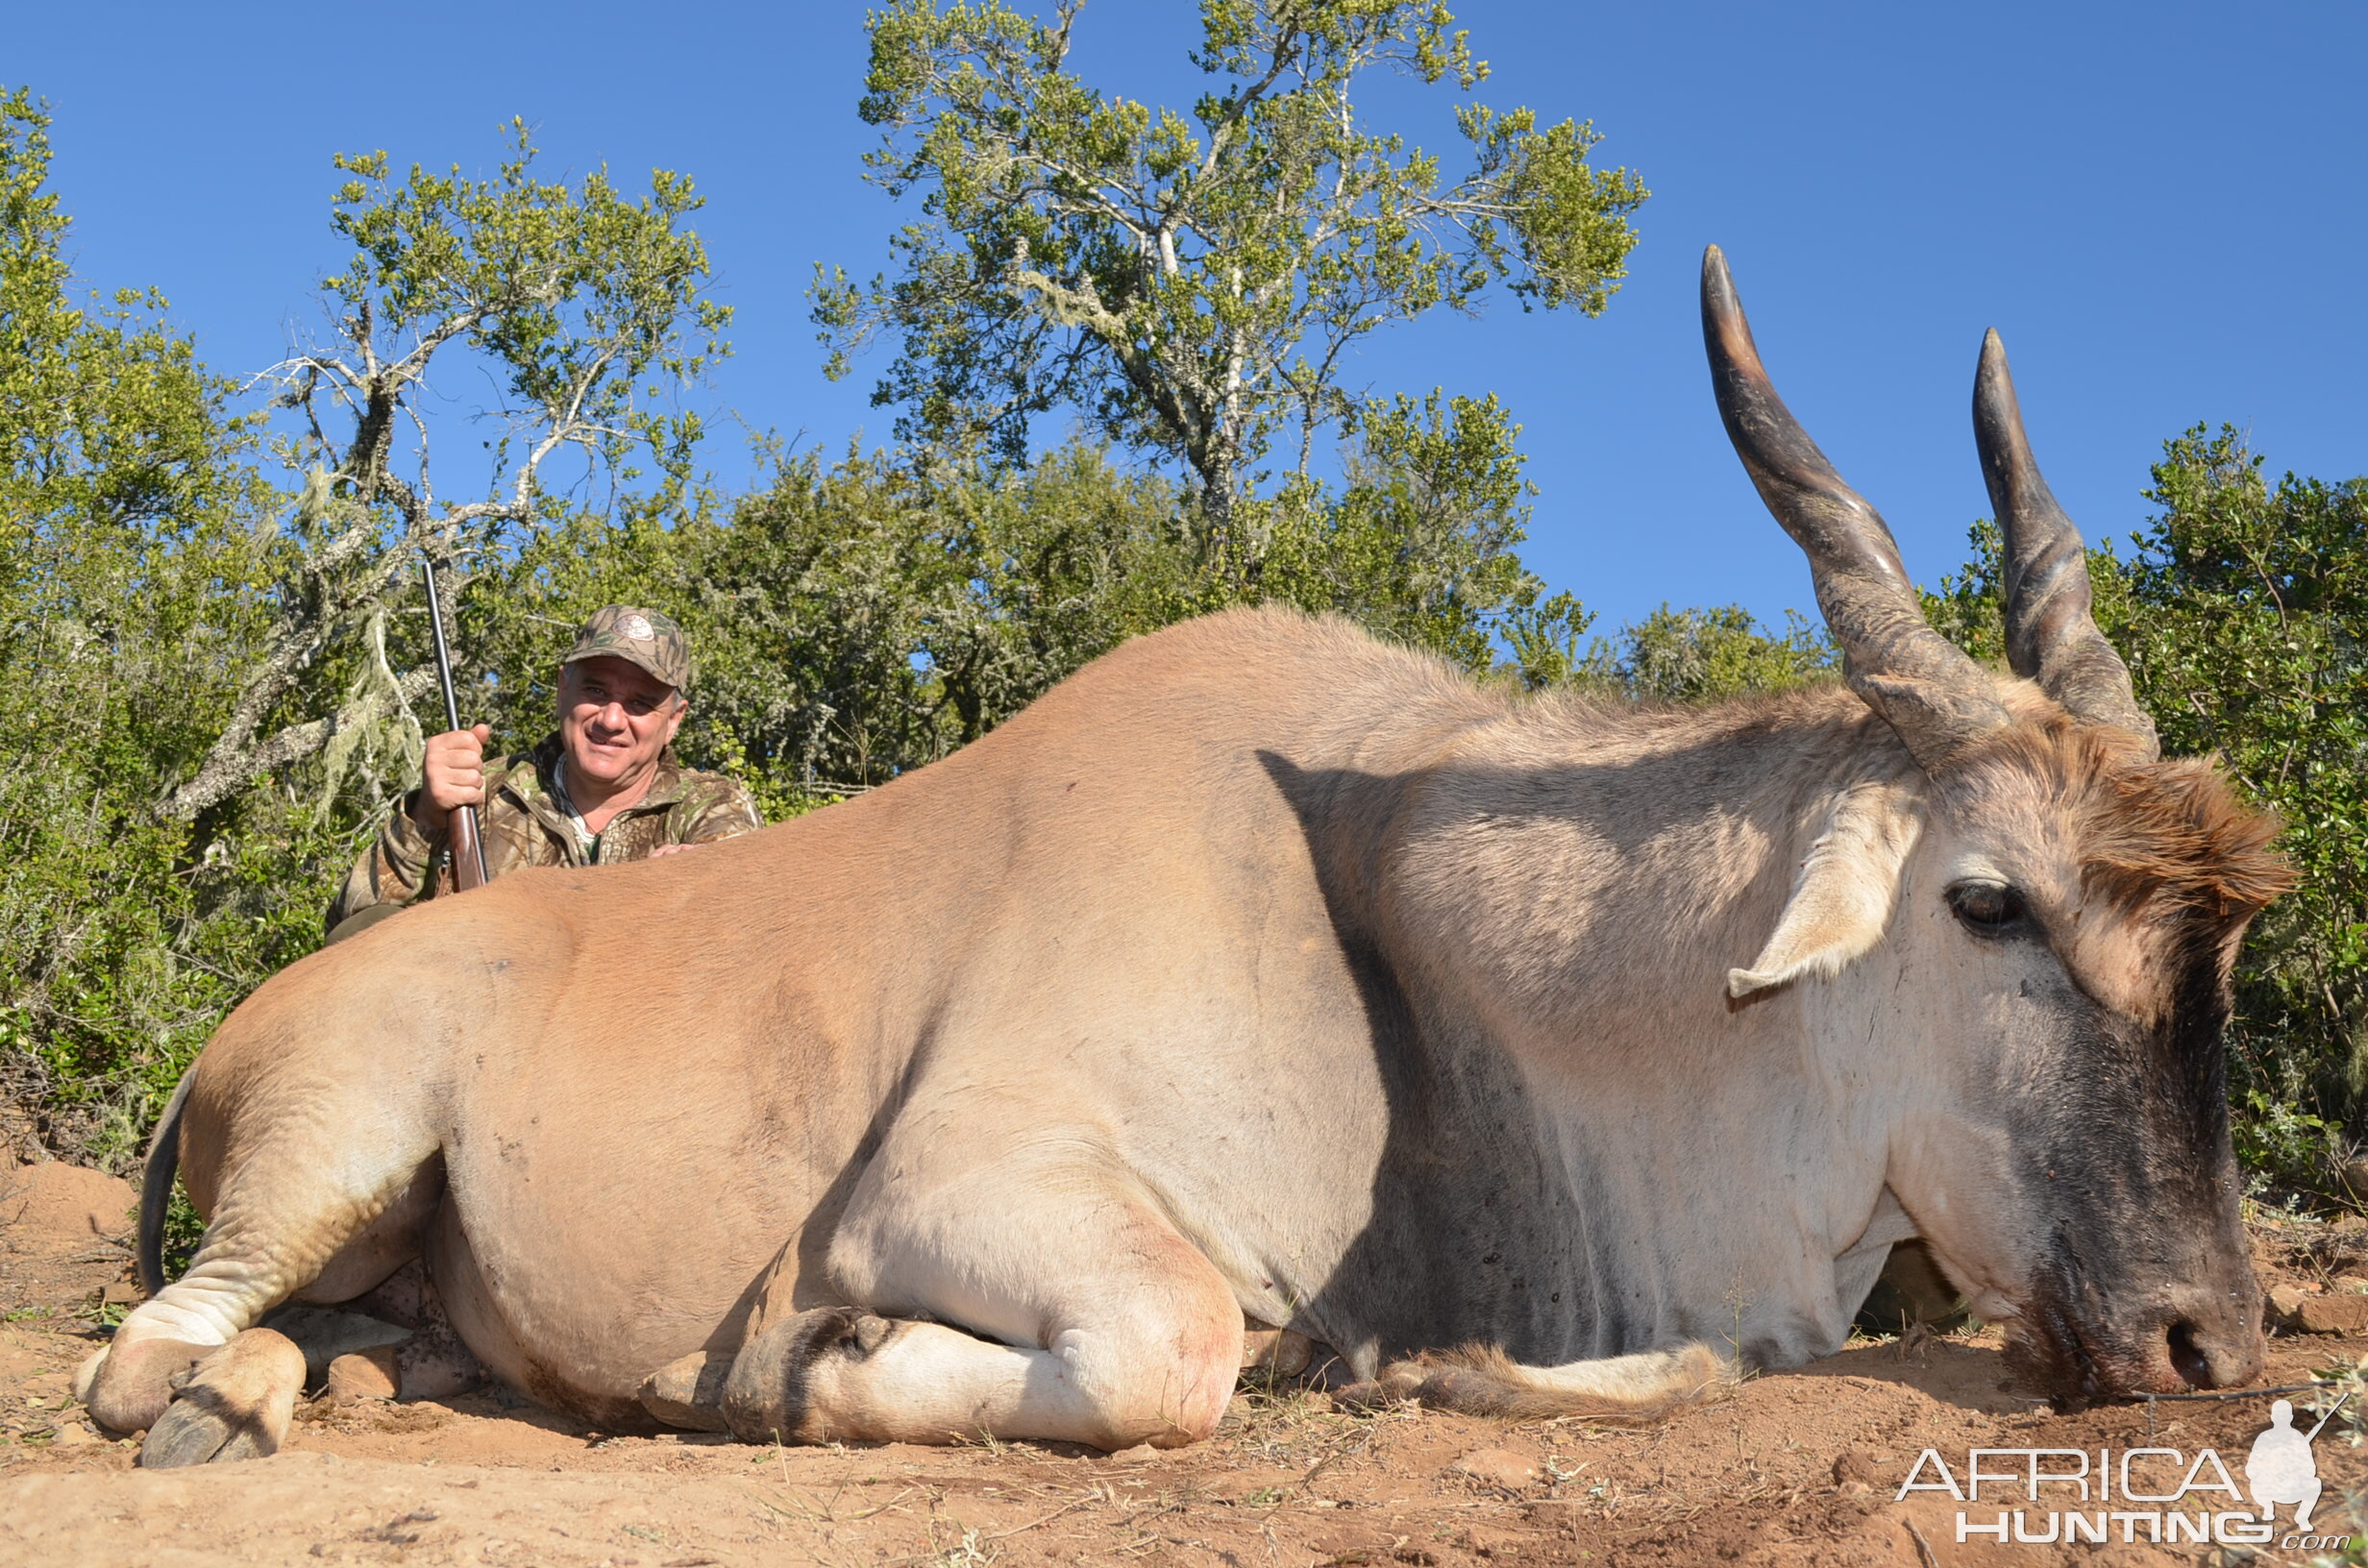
x=606 y=788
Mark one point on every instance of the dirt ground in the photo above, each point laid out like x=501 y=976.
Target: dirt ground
x=1796 y=1468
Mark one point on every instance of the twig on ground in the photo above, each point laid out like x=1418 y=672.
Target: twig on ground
x=2245 y=1393
x=1007 y=1535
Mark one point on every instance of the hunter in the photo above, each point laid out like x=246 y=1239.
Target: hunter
x=606 y=788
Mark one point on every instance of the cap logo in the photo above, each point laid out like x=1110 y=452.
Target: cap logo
x=637 y=627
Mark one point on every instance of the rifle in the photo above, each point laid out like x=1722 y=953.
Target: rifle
x=468 y=844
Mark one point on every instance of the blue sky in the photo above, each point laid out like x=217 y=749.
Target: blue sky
x=2160 y=206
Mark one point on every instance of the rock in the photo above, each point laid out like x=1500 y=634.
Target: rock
x=2284 y=1303
x=123 y=1293
x=1856 y=1467
x=1498 y=1467
x=1140 y=1453
x=363 y=1373
x=72 y=1434
x=57 y=1199
x=2344 y=1314
x=1554 y=1512
x=2351 y=1283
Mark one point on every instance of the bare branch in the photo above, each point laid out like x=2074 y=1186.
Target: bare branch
x=224 y=774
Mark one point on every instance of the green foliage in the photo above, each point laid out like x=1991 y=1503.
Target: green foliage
x=2243 y=615
x=1703 y=655
x=2281 y=1143
x=856 y=621
x=183 y=1234
x=1543 y=635
x=575 y=295
x=1968 y=611
x=1420 y=545
x=130 y=567
x=1193 y=283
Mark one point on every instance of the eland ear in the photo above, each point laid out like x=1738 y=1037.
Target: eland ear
x=1841 y=900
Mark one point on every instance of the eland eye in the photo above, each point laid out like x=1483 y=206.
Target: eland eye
x=1988 y=909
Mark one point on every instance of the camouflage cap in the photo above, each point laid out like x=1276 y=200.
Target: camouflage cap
x=643 y=637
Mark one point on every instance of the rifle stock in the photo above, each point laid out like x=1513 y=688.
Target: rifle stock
x=468 y=850
x=468 y=845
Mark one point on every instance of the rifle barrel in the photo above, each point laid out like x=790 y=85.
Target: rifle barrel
x=469 y=868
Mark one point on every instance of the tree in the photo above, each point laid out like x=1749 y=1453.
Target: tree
x=1193 y=283
x=130 y=578
x=1420 y=545
x=1703 y=655
x=573 y=299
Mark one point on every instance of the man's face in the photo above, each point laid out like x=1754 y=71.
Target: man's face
x=614 y=719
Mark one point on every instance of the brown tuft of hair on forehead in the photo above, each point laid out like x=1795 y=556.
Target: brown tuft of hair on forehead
x=2165 y=837
x=2173 y=835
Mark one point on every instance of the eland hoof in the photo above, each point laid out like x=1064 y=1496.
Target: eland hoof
x=689 y=1392
x=233 y=1405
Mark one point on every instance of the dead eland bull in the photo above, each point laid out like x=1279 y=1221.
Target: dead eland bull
x=1263 y=971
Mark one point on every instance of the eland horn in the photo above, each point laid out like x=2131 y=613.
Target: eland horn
x=1937 y=699
x=2052 y=635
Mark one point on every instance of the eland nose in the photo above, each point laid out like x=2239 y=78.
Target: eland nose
x=2213 y=1338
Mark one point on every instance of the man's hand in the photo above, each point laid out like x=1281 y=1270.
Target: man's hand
x=453 y=774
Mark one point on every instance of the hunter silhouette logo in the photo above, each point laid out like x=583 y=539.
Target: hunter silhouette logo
x=2281 y=1468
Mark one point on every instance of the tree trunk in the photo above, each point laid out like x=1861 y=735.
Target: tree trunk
x=1223 y=543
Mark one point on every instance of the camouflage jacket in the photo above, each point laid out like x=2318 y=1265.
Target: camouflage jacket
x=525 y=824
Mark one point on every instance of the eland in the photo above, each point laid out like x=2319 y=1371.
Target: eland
x=1536 y=1054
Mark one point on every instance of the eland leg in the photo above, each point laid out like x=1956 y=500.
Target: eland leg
x=1103 y=1325
x=336 y=1185
x=434 y=1362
